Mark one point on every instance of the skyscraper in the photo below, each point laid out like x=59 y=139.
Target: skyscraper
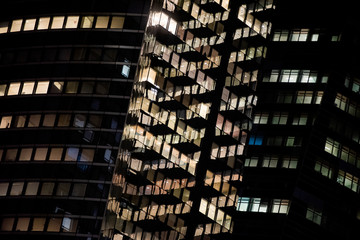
x=67 y=69
x=179 y=169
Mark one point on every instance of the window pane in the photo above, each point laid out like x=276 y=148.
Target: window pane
x=28 y=88
x=11 y=155
x=64 y=120
x=63 y=189
x=71 y=154
x=71 y=87
x=57 y=22
x=87 y=87
x=40 y=154
x=3 y=27
x=25 y=154
x=102 y=22
x=7 y=224
x=16 y=25
x=20 y=121
x=54 y=225
x=5 y=122
x=87 y=155
x=72 y=22
x=32 y=188
x=16 y=188
x=79 y=190
x=14 y=89
x=43 y=23
x=3 y=188
x=56 y=154
x=42 y=87
x=49 y=120
x=38 y=224
x=117 y=22
x=56 y=87
x=34 y=120
x=79 y=120
x=29 y=24
x=87 y=22
x=47 y=188
x=2 y=89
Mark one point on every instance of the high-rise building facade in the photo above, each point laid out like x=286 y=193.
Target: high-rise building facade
x=179 y=170
x=67 y=69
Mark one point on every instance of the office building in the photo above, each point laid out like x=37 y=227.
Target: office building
x=67 y=69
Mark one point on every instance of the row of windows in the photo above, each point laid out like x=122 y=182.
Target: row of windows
x=280 y=118
x=346 y=105
x=51 y=154
x=300 y=97
x=62 y=22
x=247 y=204
x=294 y=76
x=343 y=152
x=288 y=141
x=299 y=35
x=59 y=120
x=50 y=54
x=43 y=189
x=68 y=87
x=39 y=224
x=272 y=161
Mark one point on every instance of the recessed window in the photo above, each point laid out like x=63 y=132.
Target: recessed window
x=34 y=120
x=72 y=22
x=40 y=154
x=32 y=188
x=25 y=154
x=43 y=23
x=57 y=22
x=5 y=122
x=29 y=24
x=28 y=88
x=16 y=188
x=117 y=22
x=55 y=154
x=16 y=25
x=87 y=22
x=42 y=87
x=102 y=22
x=14 y=89
x=87 y=87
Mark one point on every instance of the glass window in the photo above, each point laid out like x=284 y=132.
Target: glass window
x=43 y=23
x=79 y=120
x=314 y=215
x=32 y=188
x=71 y=87
x=56 y=154
x=87 y=155
x=87 y=87
x=72 y=22
x=3 y=27
x=315 y=37
x=29 y=24
x=2 y=89
x=14 y=89
x=47 y=188
x=57 y=22
x=38 y=224
x=102 y=22
x=87 y=22
x=42 y=87
x=79 y=190
x=34 y=120
x=71 y=154
x=16 y=25
x=56 y=87
x=16 y=188
x=117 y=22
x=69 y=225
x=20 y=121
x=54 y=225
x=64 y=120
x=7 y=224
x=49 y=120
x=3 y=188
x=5 y=122
x=25 y=154
x=11 y=154
x=63 y=189
x=28 y=88
x=40 y=154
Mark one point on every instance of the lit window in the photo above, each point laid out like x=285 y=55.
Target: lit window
x=251 y=162
x=125 y=69
x=40 y=154
x=57 y=87
x=16 y=25
x=54 y=225
x=72 y=22
x=3 y=189
x=72 y=154
x=64 y=120
x=87 y=22
x=280 y=206
x=28 y=88
x=43 y=23
x=55 y=154
x=69 y=225
x=34 y=120
x=14 y=89
x=57 y=22
x=79 y=120
x=32 y=188
x=102 y=22
x=270 y=161
x=29 y=24
x=47 y=189
x=324 y=169
x=25 y=154
x=117 y=22
x=289 y=162
x=5 y=122
x=279 y=118
x=16 y=188
x=38 y=224
x=42 y=87
x=315 y=37
x=87 y=155
x=3 y=27
x=314 y=215
x=22 y=224
x=49 y=120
